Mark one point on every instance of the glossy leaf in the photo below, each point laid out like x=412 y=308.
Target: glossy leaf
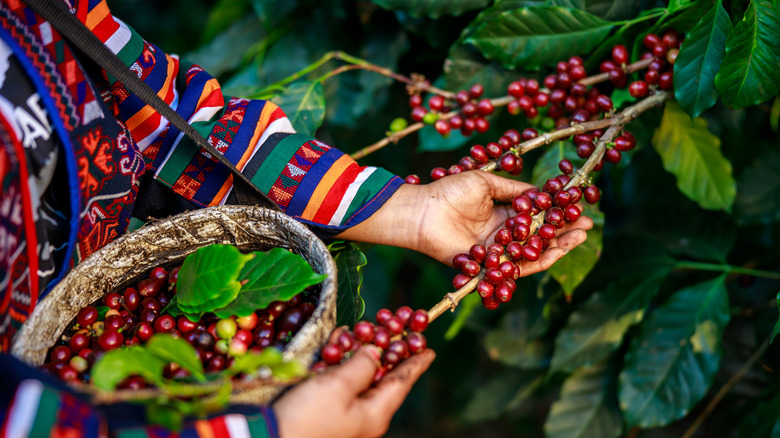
x=271 y=358
x=226 y=51
x=501 y=393
x=598 y=326
x=511 y=344
x=222 y=15
x=679 y=346
x=750 y=71
x=758 y=194
x=116 y=365
x=676 y=5
x=304 y=104
x=349 y=265
x=431 y=8
x=777 y=324
x=699 y=60
x=692 y=154
x=535 y=37
x=274 y=275
x=587 y=406
x=177 y=350
x=208 y=278
x=466 y=307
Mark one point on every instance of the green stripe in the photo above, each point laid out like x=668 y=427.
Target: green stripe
x=132 y=49
x=132 y=433
x=368 y=190
x=184 y=153
x=257 y=427
x=46 y=415
x=276 y=161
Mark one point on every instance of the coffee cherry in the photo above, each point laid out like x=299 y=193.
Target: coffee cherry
x=620 y=54
x=508 y=162
x=604 y=103
x=665 y=81
x=87 y=316
x=503 y=237
x=514 y=250
x=652 y=77
x=476 y=90
x=364 y=332
x=494 y=276
x=112 y=300
x=554 y=216
x=552 y=186
x=459 y=259
x=625 y=142
x=520 y=232
x=459 y=281
x=492 y=259
x=612 y=155
x=478 y=252
x=543 y=201
x=592 y=194
x=416 y=342
x=562 y=198
x=438 y=173
x=226 y=328
x=576 y=194
x=503 y=293
x=541 y=100
x=484 y=289
x=110 y=340
x=490 y=303
x=651 y=40
x=638 y=89
x=515 y=89
x=585 y=150
x=68 y=374
x=403 y=314
x=485 y=107
x=618 y=77
x=442 y=127
x=415 y=100
x=571 y=213
x=471 y=268
x=547 y=231
x=148 y=288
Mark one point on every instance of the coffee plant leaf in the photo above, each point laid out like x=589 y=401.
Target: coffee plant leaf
x=177 y=350
x=271 y=358
x=763 y=418
x=777 y=324
x=226 y=51
x=587 y=406
x=116 y=365
x=209 y=278
x=304 y=104
x=598 y=326
x=512 y=345
x=750 y=71
x=536 y=37
x=466 y=307
x=350 y=261
x=431 y=8
x=758 y=194
x=692 y=154
x=699 y=60
x=274 y=275
x=222 y=15
x=679 y=346
x=500 y=393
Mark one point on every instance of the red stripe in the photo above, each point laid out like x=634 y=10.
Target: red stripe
x=106 y=28
x=147 y=126
x=336 y=193
x=219 y=427
x=276 y=115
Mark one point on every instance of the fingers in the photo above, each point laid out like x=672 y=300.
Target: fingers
x=356 y=374
x=391 y=391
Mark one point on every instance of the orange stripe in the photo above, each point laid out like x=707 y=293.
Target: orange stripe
x=204 y=429
x=321 y=192
x=336 y=194
x=147 y=111
x=106 y=28
x=97 y=14
x=211 y=95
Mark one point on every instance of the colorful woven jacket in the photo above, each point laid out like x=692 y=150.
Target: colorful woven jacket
x=80 y=156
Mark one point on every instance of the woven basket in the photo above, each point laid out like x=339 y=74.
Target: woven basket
x=167 y=242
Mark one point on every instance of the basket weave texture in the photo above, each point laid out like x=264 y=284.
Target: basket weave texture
x=165 y=243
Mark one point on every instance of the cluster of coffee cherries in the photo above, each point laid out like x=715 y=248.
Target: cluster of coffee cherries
x=398 y=334
x=663 y=52
x=551 y=208
x=471 y=115
x=585 y=144
x=134 y=315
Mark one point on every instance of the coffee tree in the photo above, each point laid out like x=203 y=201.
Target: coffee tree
x=661 y=119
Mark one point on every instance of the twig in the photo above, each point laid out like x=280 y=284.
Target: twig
x=725 y=389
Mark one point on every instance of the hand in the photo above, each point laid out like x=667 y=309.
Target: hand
x=448 y=216
x=341 y=402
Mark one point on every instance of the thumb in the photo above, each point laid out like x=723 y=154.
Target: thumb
x=505 y=189
x=357 y=374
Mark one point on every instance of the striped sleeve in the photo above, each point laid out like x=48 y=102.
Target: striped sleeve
x=314 y=183
x=259 y=425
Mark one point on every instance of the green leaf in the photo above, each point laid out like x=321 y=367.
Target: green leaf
x=177 y=350
x=598 y=326
x=272 y=358
x=502 y=392
x=277 y=274
x=758 y=192
x=222 y=15
x=777 y=324
x=698 y=61
x=431 y=8
x=304 y=104
x=676 y=5
x=692 y=154
x=587 y=406
x=116 y=365
x=679 y=346
x=226 y=51
x=750 y=71
x=511 y=344
x=432 y=141
x=350 y=261
x=536 y=37
x=208 y=278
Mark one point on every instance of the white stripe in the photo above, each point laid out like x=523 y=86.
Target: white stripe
x=117 y=41
x=237 y=426
x=201 y=115
x=149 y=139
x=349 y=195
x=24 y=408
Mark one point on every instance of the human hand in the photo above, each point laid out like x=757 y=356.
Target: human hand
x=342 y=403
x=448 y=216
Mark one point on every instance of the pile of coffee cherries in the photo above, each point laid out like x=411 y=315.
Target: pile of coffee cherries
x=131 y=316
